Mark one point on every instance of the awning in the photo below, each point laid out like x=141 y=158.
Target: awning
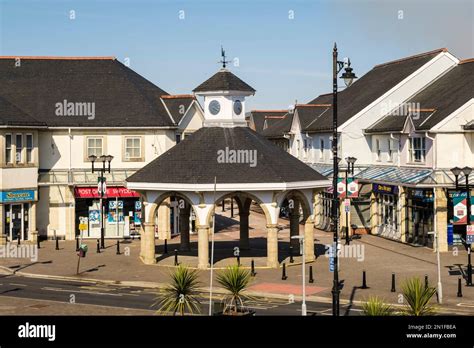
x=324 y=169
x=396 y=176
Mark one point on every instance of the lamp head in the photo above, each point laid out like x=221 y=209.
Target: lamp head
x=456 y=171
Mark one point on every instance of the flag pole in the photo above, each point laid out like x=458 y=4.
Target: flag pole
x=212 y=247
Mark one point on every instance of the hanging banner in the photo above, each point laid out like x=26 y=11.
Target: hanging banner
x=472 y=210
x=460 y=209
x=341 y=188
x=352 y=188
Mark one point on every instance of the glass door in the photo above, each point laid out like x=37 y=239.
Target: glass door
x=16 y=221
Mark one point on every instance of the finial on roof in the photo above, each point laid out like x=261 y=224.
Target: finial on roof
x=223 y=61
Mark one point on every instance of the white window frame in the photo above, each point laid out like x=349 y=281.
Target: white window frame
x=390 y=150
x=101 y=138
x=140 y=155
x=413 y=150
x=10 y=149
x=20 y=152
x=29 y=150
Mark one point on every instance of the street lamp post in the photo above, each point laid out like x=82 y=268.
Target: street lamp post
x=348 y=77
x=466 y=171
x=350 y=170
x=303 y=303
x=101 y=186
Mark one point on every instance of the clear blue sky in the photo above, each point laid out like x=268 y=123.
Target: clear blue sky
x=282 y=58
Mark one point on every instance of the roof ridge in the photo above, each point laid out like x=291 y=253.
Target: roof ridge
x=439 y=50
x=282 y=110
x=59 y=57
x=178 y=96
x=467 y=60
x=309 y=105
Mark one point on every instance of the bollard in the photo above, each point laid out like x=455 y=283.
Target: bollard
x=283 y=275
x=57 y=243
x=118 y=247
x=291 y=255
x=364 y=281
x=426 y=281
x=176 y=257
x=38 y=242
x=98 y=247
x=238 y=260
x=459 y=288
x=252 y=272
x=77 y=244
x=166 y=246
x=311 y=279
x=393 y=283
x=18 y=240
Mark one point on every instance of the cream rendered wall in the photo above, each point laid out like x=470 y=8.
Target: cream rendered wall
x=192 y=120
x=18 y=178
x=384 y=158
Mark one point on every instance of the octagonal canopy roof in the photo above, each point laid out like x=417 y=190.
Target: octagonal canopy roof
x=224 y=80
x=239 y=158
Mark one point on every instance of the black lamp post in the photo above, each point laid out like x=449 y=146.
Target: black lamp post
x=348 y=77
x=101 y=185
x=350 y=170
x=466 y=171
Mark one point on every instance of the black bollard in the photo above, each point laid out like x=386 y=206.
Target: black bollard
x=252 y=272
x=238 y=260
x=166 y=246
x=364 y=281
x=98 y=247
x=176 y=257
x=38 y=242
x=311 y=279
x=118 y=247
x=459 y=288
x=426 y=281
x=77 y=244
x=18 y=240
x=291 y=255
x=57 y=243
x=283 y=275
x=393 y=283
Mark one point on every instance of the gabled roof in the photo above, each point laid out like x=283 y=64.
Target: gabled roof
x=195 y=161
x=10 y=115
x=121 y=97
x=369 y=87
x=279 y=128
x=308 y=114
x=436 y=101
x=469 y=125
x=258 y=117
x=224 y=80
x=177 y=105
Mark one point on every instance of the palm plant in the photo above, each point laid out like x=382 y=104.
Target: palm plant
x=418 y=297
x=180 y=294
x=235 y=280
x=376 y=307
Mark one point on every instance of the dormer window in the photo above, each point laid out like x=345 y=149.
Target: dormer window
x=417 y=149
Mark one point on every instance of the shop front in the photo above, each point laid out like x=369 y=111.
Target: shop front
x=387 y=205
x=121 y=210
x=16 y=206
x=420 y=216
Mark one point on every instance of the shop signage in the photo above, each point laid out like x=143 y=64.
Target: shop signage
x=469 y=234
x=424 y=195
x=352 y=188
x=92 y=192
x=387 y=189
x=460 y=209
x=17 y=196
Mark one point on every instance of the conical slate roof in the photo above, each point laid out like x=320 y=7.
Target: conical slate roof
x=196 y=160
x=224 y=80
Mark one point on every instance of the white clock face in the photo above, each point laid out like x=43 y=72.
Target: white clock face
x=237 y=107
x=214 y=107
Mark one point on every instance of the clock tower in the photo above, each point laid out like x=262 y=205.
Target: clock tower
x=224 y=99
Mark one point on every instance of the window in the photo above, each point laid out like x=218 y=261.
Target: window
x=19 y=148
x=390 y=150
x=94 y=146
x=133 y=148
x=8 y=148
x=417 y=149
x=377 y=149
x=29 y=148
x=321 y=148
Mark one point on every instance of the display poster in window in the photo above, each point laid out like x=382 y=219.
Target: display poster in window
x=115 y=212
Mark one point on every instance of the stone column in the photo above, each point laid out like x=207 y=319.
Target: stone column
x=317 y=209
x=203 y=247
x=374 y=214
x=402 y=214
x=441 y=217
x=244 y=243
x=184 y=228
x=3 y=236
x=148 y=243
x=295 y=225
x=272 y=246
x=164 y=216
x=33 y=232
x=309 y=240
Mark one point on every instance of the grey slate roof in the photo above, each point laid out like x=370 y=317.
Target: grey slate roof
x=121 y=96
x=10 y=115
x=194 y=161
x=258 y=117
x=279 y=128
x=309 y=114
x=437 y=101
x=177 y=105
x=368 y=88
x=224 y=80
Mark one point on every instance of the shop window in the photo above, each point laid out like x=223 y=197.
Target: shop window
x=19 y=148
x=8 y=148
x=94 y=146
x=417 y=149
x=29 y=148
x=133 y=148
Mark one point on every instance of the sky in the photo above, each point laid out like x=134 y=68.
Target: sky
x=281 y=48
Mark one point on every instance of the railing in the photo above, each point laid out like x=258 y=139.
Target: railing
x=82 y=177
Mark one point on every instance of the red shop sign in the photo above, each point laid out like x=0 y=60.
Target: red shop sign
x=91 y=192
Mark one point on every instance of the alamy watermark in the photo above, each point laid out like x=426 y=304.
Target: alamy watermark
x=356 y=251
x=402 y=109
x=66 y=108
x=14 y=251
x=237 y=156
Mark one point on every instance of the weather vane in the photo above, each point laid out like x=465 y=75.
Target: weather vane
x=223 y=61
